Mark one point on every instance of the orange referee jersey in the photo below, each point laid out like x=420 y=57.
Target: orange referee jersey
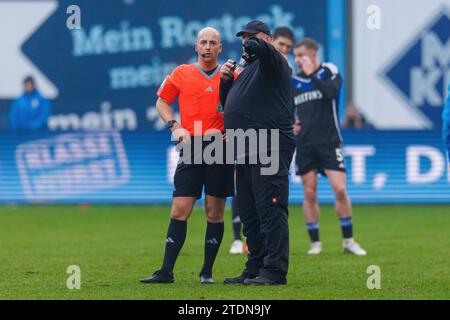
x=198 y=97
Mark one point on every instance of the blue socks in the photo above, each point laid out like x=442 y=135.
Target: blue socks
x=347 y=227
x=313 y=230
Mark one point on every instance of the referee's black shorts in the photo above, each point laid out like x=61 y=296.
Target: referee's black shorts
x=216 y=179
x=319 y=157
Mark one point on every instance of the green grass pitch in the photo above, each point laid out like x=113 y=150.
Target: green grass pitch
x=116 y=246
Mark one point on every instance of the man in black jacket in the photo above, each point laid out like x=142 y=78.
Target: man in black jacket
x=259 y=97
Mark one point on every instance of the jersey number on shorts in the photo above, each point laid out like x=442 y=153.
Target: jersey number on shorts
x=339 y=155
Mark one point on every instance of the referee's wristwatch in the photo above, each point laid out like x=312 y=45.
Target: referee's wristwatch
x=170 y=124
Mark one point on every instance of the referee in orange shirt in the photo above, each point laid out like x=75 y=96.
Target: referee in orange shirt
x=197 y=88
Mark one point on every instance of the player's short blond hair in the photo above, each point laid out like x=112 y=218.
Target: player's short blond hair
x=308 y=43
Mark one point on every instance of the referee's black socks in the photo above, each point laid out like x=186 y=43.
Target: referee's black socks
x=174 y=242
x=213 y=239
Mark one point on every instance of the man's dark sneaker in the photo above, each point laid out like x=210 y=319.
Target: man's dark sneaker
x=159 y=277
x=240 y=279
x=262 y=281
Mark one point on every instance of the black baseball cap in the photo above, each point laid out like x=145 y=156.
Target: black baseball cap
x=253 y=27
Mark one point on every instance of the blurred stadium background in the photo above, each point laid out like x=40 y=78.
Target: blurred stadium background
x=104 y=141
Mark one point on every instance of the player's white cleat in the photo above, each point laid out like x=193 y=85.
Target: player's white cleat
x=206 y=280
x=316 y=248
x=237 y=247
x=350 y=246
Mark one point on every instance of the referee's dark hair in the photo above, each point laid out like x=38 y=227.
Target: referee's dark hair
x=308 y=43
x=283 y=32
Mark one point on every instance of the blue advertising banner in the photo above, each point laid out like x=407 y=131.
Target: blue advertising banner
x=105 y=75
x=138 y=167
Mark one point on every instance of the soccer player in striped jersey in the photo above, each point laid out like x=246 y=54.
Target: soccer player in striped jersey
x=319 y=142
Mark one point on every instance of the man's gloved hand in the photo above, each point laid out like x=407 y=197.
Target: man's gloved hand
x=249 y=49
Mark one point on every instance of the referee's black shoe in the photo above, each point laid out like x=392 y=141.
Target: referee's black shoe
x=262 y=281
x=159 y=277
x=239 y=280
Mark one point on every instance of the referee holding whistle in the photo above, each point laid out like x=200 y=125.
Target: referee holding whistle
x=197 y=88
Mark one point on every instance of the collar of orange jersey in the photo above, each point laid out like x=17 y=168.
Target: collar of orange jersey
x=204 y=73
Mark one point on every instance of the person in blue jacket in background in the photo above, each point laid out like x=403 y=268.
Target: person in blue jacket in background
x=31 y=110
x=446 y=124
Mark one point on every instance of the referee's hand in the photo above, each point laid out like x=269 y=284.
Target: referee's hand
x=227 y=70
x=180 y=135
